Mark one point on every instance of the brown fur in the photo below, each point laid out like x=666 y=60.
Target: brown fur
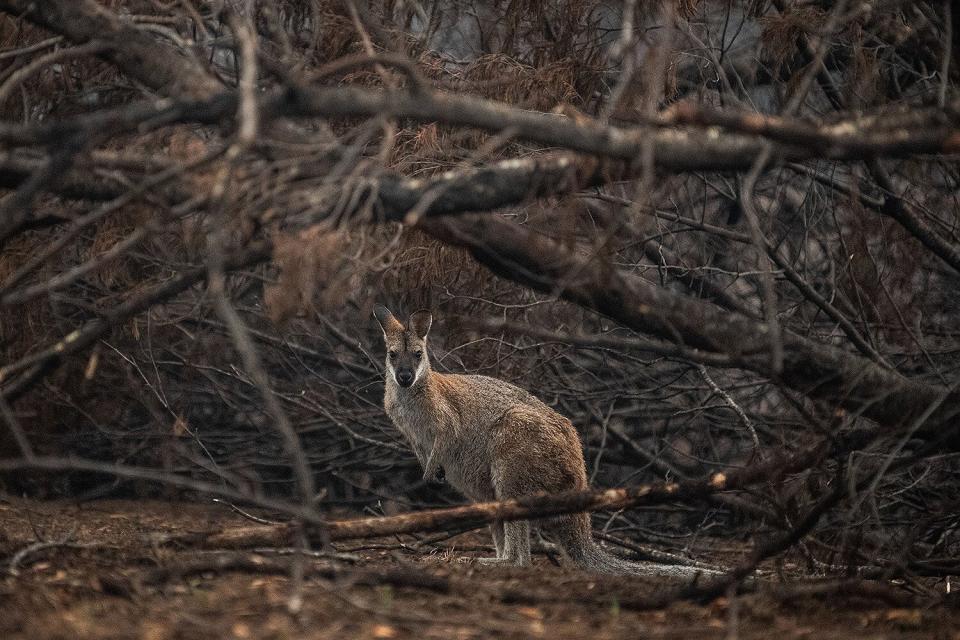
x=493 y=440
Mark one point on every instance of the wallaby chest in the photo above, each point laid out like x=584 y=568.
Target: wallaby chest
x=417 y=417
x=463 y=445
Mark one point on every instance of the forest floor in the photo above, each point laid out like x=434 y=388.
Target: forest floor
x=104 y=575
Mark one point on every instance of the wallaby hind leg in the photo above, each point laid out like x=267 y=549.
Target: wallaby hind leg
x=517 y=542
x=516 y=545
x=496 y=529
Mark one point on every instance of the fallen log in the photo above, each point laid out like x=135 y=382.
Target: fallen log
x=526 y=508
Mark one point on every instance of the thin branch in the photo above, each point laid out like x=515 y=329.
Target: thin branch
x=741 y=414
x=21 y=74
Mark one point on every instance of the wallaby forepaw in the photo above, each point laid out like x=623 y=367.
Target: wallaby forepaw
x=437 y=476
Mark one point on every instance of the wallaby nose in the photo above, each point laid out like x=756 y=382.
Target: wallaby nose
x=405 y=377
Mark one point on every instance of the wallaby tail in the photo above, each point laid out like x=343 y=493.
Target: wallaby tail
x=574 y=535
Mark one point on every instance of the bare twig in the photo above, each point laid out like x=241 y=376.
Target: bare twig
x=741 y=414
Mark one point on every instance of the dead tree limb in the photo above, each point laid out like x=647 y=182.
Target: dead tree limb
x=17 y=377
x=521 y=254
x=531 y=507
x=152 y=62
x=675 y=149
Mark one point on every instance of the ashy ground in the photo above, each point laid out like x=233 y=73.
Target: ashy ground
x=96 y=570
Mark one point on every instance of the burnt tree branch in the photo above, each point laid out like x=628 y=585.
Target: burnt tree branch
x=847 y=380
x=154 y=63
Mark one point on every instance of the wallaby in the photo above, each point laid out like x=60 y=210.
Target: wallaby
x=494 y=441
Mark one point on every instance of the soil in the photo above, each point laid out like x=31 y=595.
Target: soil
x=107 y=576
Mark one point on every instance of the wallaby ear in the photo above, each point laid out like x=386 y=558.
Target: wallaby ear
x=387 y=321
x=420 y=322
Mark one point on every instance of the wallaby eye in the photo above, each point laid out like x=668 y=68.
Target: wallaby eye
x=417 y=354
x=393 y=355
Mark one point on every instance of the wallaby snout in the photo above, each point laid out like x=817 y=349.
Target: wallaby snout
x=405 y=376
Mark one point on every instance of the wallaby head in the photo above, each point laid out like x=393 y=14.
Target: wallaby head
x=407 y=360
